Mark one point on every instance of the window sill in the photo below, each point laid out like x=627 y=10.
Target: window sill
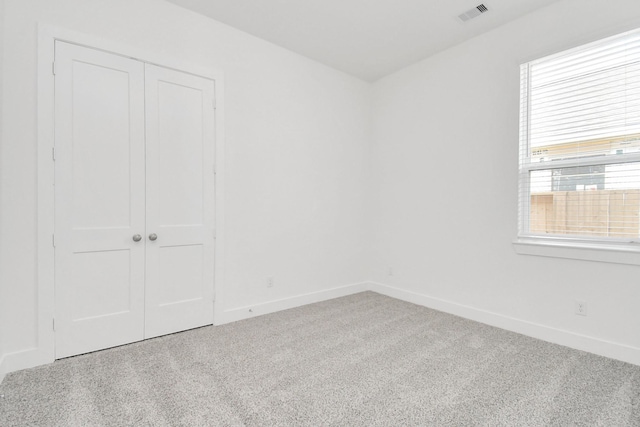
x=628 y=253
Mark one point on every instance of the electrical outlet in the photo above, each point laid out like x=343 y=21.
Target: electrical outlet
x=581 y=308
x=269 y=282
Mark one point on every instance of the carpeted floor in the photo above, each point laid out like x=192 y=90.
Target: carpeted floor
x=362 y=360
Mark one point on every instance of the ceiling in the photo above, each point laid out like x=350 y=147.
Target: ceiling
x=365 y=38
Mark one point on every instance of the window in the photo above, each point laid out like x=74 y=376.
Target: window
x=580 y=144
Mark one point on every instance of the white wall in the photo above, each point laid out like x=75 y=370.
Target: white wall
x=445 y=161
x=296 y=139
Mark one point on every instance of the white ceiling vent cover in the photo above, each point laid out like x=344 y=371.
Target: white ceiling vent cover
x=473 y=13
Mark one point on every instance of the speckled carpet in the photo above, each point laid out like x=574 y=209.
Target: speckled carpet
x=362 y=360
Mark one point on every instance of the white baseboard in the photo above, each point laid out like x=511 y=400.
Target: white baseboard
x=24 y=359
x=557 y=336
x=249 y=311
x=3 y=369
x=34 y=357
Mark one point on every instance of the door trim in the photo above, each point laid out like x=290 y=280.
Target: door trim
x=47 y=36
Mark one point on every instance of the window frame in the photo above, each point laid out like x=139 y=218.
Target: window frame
x=591 y=248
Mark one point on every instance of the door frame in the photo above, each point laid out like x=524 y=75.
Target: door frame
x=47 y=36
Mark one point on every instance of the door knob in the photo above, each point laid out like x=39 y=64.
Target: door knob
x=137 y=238
x=153 y=236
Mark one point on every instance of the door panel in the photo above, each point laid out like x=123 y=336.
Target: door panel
x=180 y=191
x=100 y=192
x=183 y=265
x=100 y=139
x=180 y=153
x=101 y=281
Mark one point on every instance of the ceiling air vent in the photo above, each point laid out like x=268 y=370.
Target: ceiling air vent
x=473 y=13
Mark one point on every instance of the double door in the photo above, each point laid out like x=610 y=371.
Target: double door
x=134 y=194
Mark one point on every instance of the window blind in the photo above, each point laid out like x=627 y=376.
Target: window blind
x=580 y=142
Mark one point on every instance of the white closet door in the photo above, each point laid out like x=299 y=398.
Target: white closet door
x=180 y=195
x=100 y=200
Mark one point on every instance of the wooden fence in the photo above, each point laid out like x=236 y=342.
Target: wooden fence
x=610 y=213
